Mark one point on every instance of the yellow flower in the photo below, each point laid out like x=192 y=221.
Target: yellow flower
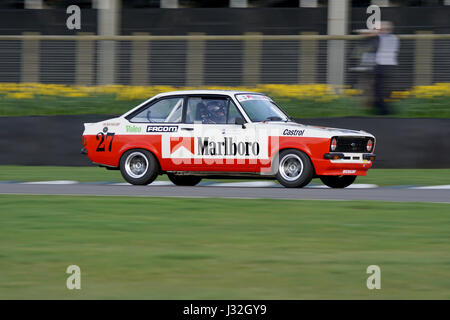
x=309 y=92
x=20 y=95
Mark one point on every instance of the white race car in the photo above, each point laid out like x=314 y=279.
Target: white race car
x=190 y=135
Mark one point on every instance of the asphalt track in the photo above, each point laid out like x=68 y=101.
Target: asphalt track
x=378 y=194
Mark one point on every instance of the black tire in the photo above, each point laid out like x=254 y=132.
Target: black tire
x=293 y=168
x=337 y=181
x=180 y=180
x=139 y=166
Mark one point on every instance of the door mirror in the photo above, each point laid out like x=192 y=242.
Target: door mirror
x=240 y=121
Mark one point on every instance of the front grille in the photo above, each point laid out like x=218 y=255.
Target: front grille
x=351 y=144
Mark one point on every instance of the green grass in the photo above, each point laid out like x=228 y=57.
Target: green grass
x=155 y=248
x=424 y=177
x=381 y=177
x=46 y=173
x=49 y=106
x=107 y=104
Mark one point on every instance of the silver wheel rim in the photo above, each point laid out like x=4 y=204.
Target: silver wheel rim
x=136 y=165
x=291 y=167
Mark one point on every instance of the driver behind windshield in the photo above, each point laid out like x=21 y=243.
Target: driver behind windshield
x=216 y=110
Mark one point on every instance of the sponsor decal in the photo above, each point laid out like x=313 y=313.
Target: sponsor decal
x=178 y=142
x=162 y=128
x=294 y=132
x=111 y=124
x=227 y=147
x=244 y=97
x=133 y=129
x=348 y=171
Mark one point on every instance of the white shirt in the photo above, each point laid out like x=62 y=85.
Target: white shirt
x=388 y=46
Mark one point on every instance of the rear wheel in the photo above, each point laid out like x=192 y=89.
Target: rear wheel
x=139 y=167
x=181 y=180
x=338 y=181
x=294 y=168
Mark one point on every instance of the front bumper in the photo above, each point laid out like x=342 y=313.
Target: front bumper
x=343 y=163
x=347 y=156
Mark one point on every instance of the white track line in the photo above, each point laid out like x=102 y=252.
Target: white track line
x=353 y=186
x=155 y=183
x=433 y=187
x=52 y=182
x=362 y=186
x=246 y=184
x=250 y=184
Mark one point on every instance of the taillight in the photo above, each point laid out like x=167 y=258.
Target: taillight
x=83 y=140
x=369 y=145
x=333 y=144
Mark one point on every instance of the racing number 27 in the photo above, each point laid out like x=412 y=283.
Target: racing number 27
x=101 y=136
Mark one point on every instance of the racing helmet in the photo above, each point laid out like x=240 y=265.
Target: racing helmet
x=216 y=108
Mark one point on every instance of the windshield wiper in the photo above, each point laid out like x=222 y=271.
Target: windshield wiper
x=273 y=119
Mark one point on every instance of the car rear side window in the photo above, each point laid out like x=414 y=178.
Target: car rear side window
x=166 y=110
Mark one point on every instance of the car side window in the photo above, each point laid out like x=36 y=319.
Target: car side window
x=166 y=110
x=207 y=110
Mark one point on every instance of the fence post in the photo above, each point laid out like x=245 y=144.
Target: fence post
x=108 y=25
x=30 y=56
x=195 y=61
x=423 y=60
x=252 y=58
x=169 y=4
x=140 y=60
x=84 y=66
x=307 y=60
x=238 y=3
x=337 y=25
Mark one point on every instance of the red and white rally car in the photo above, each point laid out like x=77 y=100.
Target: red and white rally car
x=190 y=135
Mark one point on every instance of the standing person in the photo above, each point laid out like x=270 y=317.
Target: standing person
x=364 y=70
x=387 y=46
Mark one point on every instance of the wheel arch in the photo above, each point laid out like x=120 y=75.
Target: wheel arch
x=301 y=148
x=131 y=147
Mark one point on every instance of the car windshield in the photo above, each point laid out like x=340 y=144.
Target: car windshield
x=261 y=108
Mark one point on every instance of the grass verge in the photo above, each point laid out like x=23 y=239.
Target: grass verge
x=142 y=248
x=297 y=108
x=381 y=177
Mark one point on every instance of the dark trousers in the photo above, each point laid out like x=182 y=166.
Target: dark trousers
x=383 y=80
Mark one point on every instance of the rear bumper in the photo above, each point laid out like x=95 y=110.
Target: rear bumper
x=83 y=150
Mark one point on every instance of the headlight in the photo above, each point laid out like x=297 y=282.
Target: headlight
x=369 y=145
x=333 y=144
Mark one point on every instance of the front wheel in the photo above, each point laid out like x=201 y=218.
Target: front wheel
x=294 y=168
x=139 y=167
x=338 y=181
x=181 y=180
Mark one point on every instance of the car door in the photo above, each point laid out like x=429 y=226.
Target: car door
x=217 y=143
